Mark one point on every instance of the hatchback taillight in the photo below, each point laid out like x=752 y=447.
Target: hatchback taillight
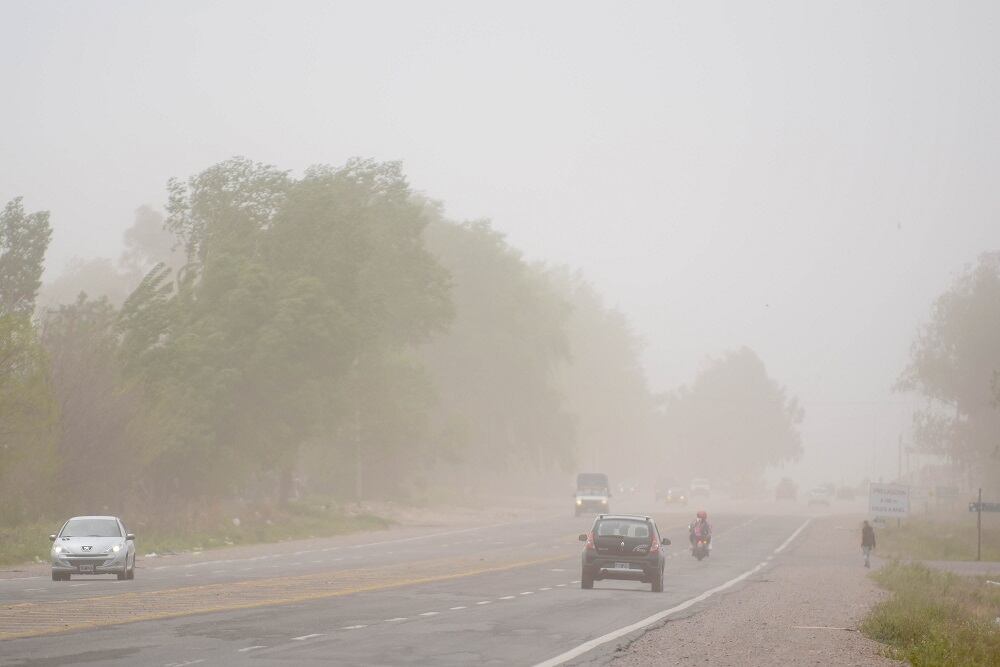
x=654 y=545
x=590 y=540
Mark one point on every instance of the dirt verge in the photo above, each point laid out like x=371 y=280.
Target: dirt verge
x=802 y=610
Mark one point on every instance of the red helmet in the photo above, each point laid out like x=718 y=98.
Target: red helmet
x=702 y=514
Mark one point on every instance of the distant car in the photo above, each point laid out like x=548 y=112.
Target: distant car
x=786 y=490
x=93 y=545
x=623 y=546
x=676 y=495
x=846 y=493
x=593 y=493
x=700 y=487
x=820 y=496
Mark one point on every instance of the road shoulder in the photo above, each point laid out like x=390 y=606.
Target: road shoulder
x=803 y=609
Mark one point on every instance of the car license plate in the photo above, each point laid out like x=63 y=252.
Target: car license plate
x=86 y=568
x=622 y=566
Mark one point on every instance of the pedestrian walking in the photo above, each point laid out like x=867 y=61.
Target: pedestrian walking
x=867 y=542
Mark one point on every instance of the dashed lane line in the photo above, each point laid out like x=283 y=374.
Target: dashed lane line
x=28 y=619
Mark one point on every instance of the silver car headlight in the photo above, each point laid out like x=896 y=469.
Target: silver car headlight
x=115 y=549
x=58 y=549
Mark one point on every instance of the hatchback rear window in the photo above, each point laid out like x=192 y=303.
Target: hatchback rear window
x=622 y=528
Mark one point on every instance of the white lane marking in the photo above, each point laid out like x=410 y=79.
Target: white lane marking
x=507 y=597
x=456 y=608
x=528 y=593
x=184 y=664
x=32 y=590
x=575 y=582
x=75 y=585
x=393 y=620
x=303 y=637
x=792 y=537
x=557 y=569
x=249 y=648
x=560 y=585
x=353 y=627
x=430 y=613
x=484 y=602
x=14 y=580
x=649 y=620
x=546 y=588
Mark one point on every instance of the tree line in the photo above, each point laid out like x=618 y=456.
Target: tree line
x=330 y=333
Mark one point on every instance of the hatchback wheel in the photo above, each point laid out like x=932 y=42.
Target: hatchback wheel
x=658 y=582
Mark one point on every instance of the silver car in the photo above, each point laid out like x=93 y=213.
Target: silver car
x=93 y=545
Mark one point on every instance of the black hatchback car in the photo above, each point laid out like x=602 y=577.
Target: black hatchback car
x=623 y=546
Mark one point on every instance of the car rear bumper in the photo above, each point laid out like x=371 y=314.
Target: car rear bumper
x=605 y=568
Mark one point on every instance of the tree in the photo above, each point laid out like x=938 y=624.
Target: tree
x=603 y=381
x=733 y=421
x=954 y=363
x=24 y=238
x=494 y=370
x=293 y=290
x=97 y=407
x=26 y=406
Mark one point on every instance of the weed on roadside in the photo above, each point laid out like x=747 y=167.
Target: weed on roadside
x=936 y=618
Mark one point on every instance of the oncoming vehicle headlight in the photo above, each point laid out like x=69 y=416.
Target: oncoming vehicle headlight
x=57 y=549
x=115 y=549
x=579 y=502
x=604 y=501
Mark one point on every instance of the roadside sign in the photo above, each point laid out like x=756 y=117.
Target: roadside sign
x=889 y=500
x=984 y=507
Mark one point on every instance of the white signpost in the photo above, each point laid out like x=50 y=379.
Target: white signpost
x=888 y=500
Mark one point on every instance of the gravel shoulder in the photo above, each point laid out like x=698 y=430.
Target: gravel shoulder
x=804 y=610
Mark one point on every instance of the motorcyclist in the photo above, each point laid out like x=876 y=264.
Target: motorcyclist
x=700 y=529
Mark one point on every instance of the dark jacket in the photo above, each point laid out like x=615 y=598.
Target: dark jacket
x=868 y=537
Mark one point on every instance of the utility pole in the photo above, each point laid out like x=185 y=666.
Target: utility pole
x=899 y=464
x=979 y=526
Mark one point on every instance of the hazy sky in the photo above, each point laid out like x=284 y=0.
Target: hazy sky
x=800 y=177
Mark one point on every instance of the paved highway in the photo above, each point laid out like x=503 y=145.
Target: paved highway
x=494 y=594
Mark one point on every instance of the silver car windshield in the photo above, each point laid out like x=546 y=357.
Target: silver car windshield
x=91 y=528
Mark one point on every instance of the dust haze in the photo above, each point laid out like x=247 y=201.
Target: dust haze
x=421 y=251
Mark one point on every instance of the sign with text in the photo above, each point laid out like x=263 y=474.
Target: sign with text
x=889 y=500
x=984 y=507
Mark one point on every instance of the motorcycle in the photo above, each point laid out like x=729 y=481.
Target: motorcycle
x=700 y=549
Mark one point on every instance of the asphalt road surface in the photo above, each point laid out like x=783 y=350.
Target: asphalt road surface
x=506 y=594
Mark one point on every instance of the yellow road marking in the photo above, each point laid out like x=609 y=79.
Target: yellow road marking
x=32 y=619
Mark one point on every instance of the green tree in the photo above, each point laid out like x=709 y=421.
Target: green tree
x=97 y=408
x=603 y=381
x=495 y=368
x=733 y=421
x=954 y=363
x=27 y=412
x=24 y=238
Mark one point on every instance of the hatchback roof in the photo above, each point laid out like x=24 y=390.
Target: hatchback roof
x=633 y=517
x=92 y=517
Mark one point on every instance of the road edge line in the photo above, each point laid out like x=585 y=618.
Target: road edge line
x=649 y=620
